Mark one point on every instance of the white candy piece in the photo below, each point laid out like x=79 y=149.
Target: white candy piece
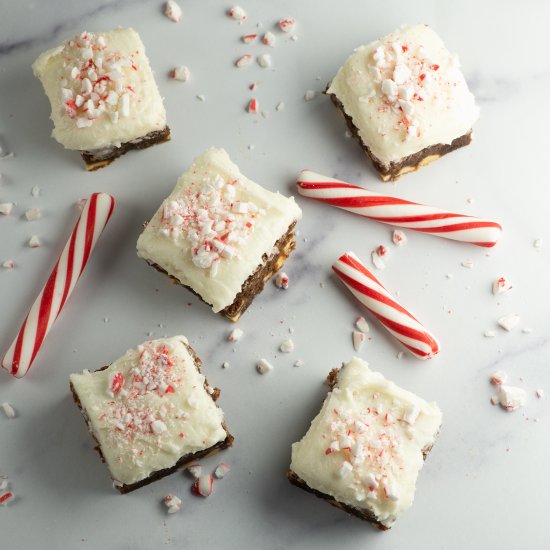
x=344 y=469
x=34 y=242
x=287 y=25
x=399 y=238
x=511 y=398
x=6 y=208
x=221 y=469
x=362 y=325
x=35 y=191
x=299 y=363
x=469 y=264
x=501 y=285
x=358 y=339
x=411 y=414
x=173 y=11
x=181 y=73
x=264 y=61
x=33 y=214
x=235 y=335
x=203 y=486
x=490 y=333
x=263 y=366
x=158 y=427
x=377 y=260
x=509 y=322
x=287 y=346
x=172 y=503
x=280 y=106
x=310 y=95
x=8 y=410
x=195 y=470
x=498 y=378
x=238 y=13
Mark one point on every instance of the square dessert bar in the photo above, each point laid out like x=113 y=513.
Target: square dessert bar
x=405 y=100
x=151 y=412
x=220 y=234
x=103 y=95
x=365 y=448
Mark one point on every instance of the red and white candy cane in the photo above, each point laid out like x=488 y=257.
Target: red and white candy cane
x=65 y=274
x=395 y=318
x=395 y=211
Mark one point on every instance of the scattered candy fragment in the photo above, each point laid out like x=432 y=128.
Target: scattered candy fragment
x=490 y=333
x=5 y=497
x=244 y=60
x=33 y=214
x=195 y=470
x=6 y=208
x=287 y=25
x=8 y=264
x=172 y=503
x=172 y=11
x=281 y=280
x=358 y=339
x=511 y=398
x=537 y=243
x=299 y=363
x=498 y=378
x=253 y=106
x=221 y=469
x=264 y=61
x=502 y=284
x=280 y=106
x=287 y=346
x=361 y=324
x=225 y=365
x=263 y=366
x=203 y=486
x=310 y=94
x=34 y=242
x=468 y=264
x=249 y=38
x=540 y=393
x=180 y=73
x=509 y=322
x=235 y=335
x=236 y=12
x=399 y=238
x=269 y=39
x=8 y=410
x=35 y=191
x=377 y=260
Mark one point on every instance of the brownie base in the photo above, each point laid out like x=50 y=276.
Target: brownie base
x=410 y=163
x=94 y=160
x=362 y=513
x=255 y=282
x=184 y=460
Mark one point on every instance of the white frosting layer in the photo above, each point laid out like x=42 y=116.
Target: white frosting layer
x=365 y=446
x=148 y=409
x=214 y=246
x=128 y=105
x=405 y=92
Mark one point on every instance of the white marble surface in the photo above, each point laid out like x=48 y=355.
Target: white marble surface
x=486 y=483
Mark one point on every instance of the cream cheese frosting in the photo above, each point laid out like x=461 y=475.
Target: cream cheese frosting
x=365 y=447
x=101 y=90
x=148 y=409
x=213 y=230
x=405 y=92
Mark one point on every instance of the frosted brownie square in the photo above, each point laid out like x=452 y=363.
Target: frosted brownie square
x=364 y=450
x=405 y=100
x=220 y=234
x=103 y=95
x=151 y=412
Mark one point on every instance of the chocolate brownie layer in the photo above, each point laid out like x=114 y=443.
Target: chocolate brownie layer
x=255 y=282
x=184 y=460
x=406 y=164
x=101 y=158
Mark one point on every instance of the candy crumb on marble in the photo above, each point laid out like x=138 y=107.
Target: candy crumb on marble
x=8 y=410
x=237 y=13
x=288 y=24
x=362 y=325
x=221 y=470
x=527 y=330
x=33 y=214
x=399 y=238
x=280 y=106
x=4 y=482
x=172 y=503
x=249 y=38
x=269 y=39
x=281 y=280
x=490 y=333
x=539 y=393
x=225 y=365
x=400 y=355
x=511 y=398
x=358 y=339
x=244 y=60
x=509 y=322
x=181 y=73
x=468 y=264
x=498 y=378
x=173 y=11
x=501 y=285
x=235 y=335
x=34 y=242
x=195 y=470
x=310 y=95
x=6 y=208
x=537 y=243
x=8 y=264
x=253 y=106
x=203 y=485
x=35 y=191
x=263 y=366
x=377 y=261
x=201 y=97
x=287 y=346
x=264 y=61
x=6 y=497
x=299 y=363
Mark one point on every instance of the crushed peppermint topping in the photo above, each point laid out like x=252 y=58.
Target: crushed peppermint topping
x=358 y=339
x=212 y=219
x=509 y=322
x=537 y=243
x=33 y=214
x=173 y=11
x=238 y=13
x=288 y=24
x=490 y=333
x=8 y=410
x=172 y=503
x=287 y=346
x=93 y=85
x=299 y=363
x=244 y=60
x=498 y=378
x=264 y=61
x=203 y=486
x=8 y=264
x=249 y=38
x=377 y=260
x=399 y=238
x=34 y=242
x=235 y=335
x=35 y=191
x=263 y=366
x=180 y=73
x=310 y=95
x=269 y=39
x=501 y=285
x=511 y=398
x=6 y=208
x=195 y=470
x=253 y=106
x=468 y=264
x=6 y=497
x=362 y=325
x=221 y=469
x=281 y=280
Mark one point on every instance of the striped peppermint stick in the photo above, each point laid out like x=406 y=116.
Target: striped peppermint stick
x=65 y=274
x=394 y=211
x=395 y=318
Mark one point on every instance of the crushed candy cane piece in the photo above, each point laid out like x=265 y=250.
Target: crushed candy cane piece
x=281 y=280
x=269 y=39
x=310 y=95
x=377 y=260
x=158 y=427
x=34 y=242
x=499 y=377
x=35 y=191
x=537 y=243
x=225 y=365
x=264 y=61
x=237 y=13
x=358 y=339
x=235 y=335
x=5 y=497
x=253 y=106
x=181 y=73
x=201 y=97
x=195 y=470
x=287 y=346
x=511 y=398
x=249 y=38
x=299 y=363
x=469 y=264
x=411 y=414
x=502 y=284
x=4 y=482
x=540 y=393
x=173 y=11
x=244 y=60
x=6 y=208
x=509 y=322
x=280 y=106
x=399 y=238
x=8 y=264
x=172 y=503
x=287 y=24
x=263 y=366
x=362 y=325
x=490 y=333
x=382 y=251
x=344 y=469
x=221 y=469
x=203 y=486
x=8 y=410
x=33 y=214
